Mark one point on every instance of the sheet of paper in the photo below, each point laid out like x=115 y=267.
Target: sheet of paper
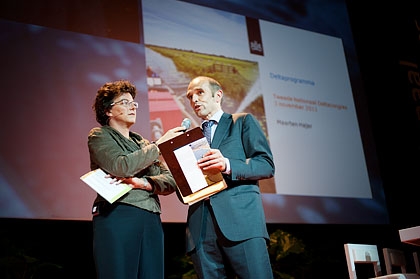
x=188 y=162
x=98 y=181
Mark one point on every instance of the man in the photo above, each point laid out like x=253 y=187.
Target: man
x=227 y=234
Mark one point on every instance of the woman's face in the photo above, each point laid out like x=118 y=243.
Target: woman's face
x=123 y=111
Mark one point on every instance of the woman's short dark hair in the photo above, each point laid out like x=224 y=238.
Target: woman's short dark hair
x=106 y=95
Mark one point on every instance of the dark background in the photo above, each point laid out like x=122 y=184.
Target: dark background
x=384 y=34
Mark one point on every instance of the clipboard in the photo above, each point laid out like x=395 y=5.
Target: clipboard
x=181 y=154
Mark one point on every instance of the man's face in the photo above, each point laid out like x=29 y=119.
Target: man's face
x=202 y=100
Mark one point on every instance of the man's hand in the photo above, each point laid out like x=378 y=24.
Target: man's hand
x=212 y=161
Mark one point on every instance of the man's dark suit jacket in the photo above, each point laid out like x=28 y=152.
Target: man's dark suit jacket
x=238 y=209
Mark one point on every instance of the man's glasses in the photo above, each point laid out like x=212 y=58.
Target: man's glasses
x=126 y=103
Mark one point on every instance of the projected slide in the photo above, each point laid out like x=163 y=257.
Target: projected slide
x=293 y=67
x=298 y=88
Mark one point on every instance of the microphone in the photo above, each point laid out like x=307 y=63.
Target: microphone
x=186 y=123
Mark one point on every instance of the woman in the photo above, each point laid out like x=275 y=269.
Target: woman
x=127 y=235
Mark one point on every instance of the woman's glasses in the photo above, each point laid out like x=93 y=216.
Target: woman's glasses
x=126 y=103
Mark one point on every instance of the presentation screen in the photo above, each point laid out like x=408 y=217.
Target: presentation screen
x=294 y=67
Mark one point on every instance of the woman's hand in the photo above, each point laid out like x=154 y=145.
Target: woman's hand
x=135 y=182
x=171 y=134
x=138 y=183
